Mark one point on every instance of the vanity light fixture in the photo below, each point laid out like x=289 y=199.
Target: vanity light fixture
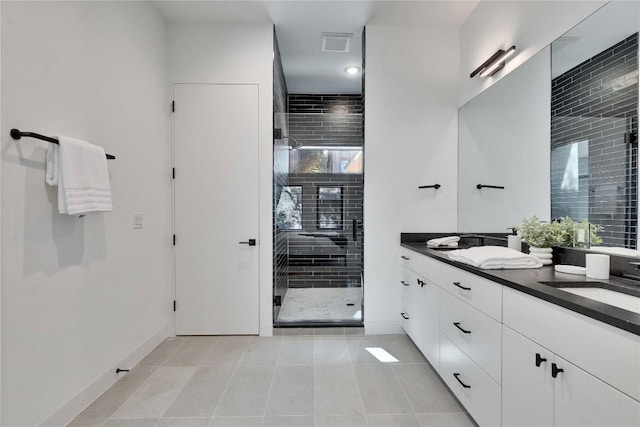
x=493 y=64
x=352 y=70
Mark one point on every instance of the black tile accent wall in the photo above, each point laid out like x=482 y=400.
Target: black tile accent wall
x=327 y=120
x=597 y=101
x=280 y=171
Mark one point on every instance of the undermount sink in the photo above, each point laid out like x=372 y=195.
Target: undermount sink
x=621 y=297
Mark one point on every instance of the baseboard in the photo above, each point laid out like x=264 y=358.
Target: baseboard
x=383 y=328
x=71 y=409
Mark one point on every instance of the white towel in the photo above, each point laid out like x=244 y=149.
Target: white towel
x=80 y=171
x=449 y=241
x=494 y=258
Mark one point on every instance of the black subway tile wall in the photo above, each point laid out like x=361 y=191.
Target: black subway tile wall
x=327 y=257
x=594 y=107
x=280 y=171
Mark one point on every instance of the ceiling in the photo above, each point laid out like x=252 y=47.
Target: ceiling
x=299 y=25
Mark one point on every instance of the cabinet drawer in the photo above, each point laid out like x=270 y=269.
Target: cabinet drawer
x=405 y=282
x=479 y=394
x=479 y=292
x=608 y=353
x=478 y=335
x=408 y=258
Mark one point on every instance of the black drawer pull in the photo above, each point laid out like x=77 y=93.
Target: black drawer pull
x=404 y=316
x=555 y=370
x=539 y=359
x=405 y=258
x=421 y=283
x=460 y=286
x=404 y=283
x=460 y=381
x=457 y=325
x=251 y=242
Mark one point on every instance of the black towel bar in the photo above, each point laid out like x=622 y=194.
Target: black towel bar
x=16 y=134
x=481 y=186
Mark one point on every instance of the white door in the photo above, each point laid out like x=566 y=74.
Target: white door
x=216 y=208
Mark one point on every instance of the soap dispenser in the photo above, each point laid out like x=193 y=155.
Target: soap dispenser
x=513 y=240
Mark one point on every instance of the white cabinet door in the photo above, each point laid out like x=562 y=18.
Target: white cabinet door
x=527 y=386
x=215 y=208
x=428 y=329
x=583 y=400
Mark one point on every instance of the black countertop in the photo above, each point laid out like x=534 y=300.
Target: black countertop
x=528 y=281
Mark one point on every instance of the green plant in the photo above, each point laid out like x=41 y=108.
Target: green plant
x=542 y=234
x=572 y=231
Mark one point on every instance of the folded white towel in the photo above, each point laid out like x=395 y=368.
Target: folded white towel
x=444 y=241
x=495 y=258
x=80 y=171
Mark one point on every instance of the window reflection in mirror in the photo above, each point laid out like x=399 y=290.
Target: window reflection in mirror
x=594 y=123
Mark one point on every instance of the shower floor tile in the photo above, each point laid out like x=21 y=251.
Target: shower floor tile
x=321 y=304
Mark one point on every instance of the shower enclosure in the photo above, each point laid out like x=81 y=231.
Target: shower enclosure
x=318 y=206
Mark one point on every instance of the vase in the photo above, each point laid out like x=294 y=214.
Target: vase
x=545 y=255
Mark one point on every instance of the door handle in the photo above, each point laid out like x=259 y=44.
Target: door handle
x=251 y=242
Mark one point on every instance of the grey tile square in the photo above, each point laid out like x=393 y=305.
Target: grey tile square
x=402 y=348
x=425 y=390
x=381 y=392
x=329 y=331
x=296 y=350
x=358 y=349
x=354 y=331
x=288 y=421
x=261 y=351
x=86 y=422
x=182 y=422
x=336 y=391
x=456 y=419
x=331 y=350
x=291 y=391
x=202 y=393
x=163 y=351
x=393 y=420
x=139 y=422
x=298 y=331
x=117 y=394
x=192 y=352
x=226 y=351
x=235 y=421
x=247 y=393
x=341 y=421
x=153 y=397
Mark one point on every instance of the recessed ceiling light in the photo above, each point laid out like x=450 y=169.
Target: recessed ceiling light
x=352 y=70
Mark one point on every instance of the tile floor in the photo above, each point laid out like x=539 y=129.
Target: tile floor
x=304 y=377
x=321 y=304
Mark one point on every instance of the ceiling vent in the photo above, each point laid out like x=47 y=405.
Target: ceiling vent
x=562 y=43
x=336 y=42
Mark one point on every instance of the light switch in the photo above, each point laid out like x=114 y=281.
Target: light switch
x=138 y=218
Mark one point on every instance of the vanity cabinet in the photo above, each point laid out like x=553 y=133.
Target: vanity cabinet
x=542 y=389
x=515 y=360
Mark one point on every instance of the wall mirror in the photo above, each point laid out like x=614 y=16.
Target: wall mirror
x=560 y=134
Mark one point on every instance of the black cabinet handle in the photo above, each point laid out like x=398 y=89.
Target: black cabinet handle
x=251 y=242
x=540 y=359
x=404 y=283
x=421 y=283
x=404 y=316
x=460 y=381
x=436 y=186
x=461 y=287
x=555 y=370
x=481 y=186
x=457 y=325
x=404 y=257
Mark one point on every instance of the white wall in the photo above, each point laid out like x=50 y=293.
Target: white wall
x=201 y=53
x=81 y=297
x=529 y=25
x=410 y=140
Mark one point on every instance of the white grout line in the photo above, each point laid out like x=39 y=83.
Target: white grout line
x=235 y=371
